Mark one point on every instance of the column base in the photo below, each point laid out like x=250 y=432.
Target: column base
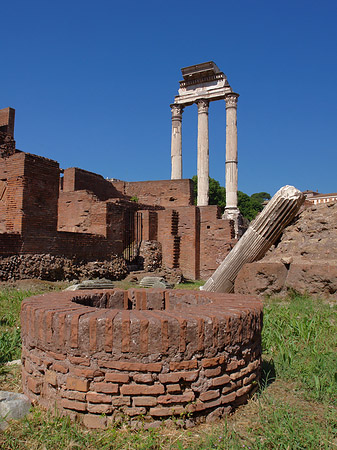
x=235 y=215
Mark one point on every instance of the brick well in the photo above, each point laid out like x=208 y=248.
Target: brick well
x=103 y=355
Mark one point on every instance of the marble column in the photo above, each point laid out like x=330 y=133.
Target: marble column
x=231 y=156
x=176 y=143
x=203 y=153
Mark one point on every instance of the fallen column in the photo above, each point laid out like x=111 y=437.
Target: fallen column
x=261 y=234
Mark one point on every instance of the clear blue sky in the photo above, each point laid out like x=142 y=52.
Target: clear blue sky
x=92 y=82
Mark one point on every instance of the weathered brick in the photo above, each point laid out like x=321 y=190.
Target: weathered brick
x=108 y=388
x=209 y=395
x=184 y=365
x=117 y=377
x=249 y=379
x=173 y=388
x=134 y=411
x=76 y=384
x=94 y=421
x=201 y=406
x=142 y=389
x=85 y=372
x=183 y=398
x=175 y=377
x=143 y=378
x=82 y=361
x=99 y=408
x=228 y=398
x=121 y=401
x=74 y=395
x=34 y=384
x=59 y=367
x=145 y=401
x=165 y=411
x=220 y=381
x=58 y=356
x=211 y=362
x=210 y=373
x=94 y=397
x=129 y=366
x=50 y=377
x=234 y=364
x=72 y=404
x=244 y=390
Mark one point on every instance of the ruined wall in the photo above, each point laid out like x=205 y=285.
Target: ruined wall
x=194 y=239
x=217 y=238
x=75 y=179
x=81 y=212
x=167 y=193
x=12 y=184
x=40 y=197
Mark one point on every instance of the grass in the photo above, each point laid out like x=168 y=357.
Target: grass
x=295 y=408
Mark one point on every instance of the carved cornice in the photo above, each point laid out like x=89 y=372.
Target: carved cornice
x=202 y=106
x=177 y=110
x=231 y=100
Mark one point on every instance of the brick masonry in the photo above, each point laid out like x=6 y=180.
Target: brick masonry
x=152 y=352
x=77 y=213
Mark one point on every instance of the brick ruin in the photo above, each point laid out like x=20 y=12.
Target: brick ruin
x=78 y=214
x=106 y=356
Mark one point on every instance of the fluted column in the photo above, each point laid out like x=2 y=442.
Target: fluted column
x=176 y=142
x=203 y=153
x=231 y=153
x=262 y=233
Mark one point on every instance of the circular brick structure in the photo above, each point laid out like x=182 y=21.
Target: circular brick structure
x=111 y=354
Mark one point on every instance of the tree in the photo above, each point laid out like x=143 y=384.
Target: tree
x=249 y=206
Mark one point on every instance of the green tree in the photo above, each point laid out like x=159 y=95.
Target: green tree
x=217 y=193
x=249 y=206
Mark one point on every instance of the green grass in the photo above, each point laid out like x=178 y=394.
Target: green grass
x=300 y=340
x=10 y=342
x=295 y=408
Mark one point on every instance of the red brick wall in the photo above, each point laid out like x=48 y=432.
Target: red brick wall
x=40 y=196
x=75 y=179
x=81 y=212
x=7 y=116
x=167 y=193
x=11 y=200
x=216 y=239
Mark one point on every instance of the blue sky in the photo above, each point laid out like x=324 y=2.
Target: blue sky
x=92 y=82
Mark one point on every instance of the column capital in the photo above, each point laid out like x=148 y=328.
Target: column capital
x=231 y=100
x=177 y=110
x=203 y=105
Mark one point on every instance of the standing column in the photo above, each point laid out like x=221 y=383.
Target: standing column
x=231 y=156
x=176 y=154
x=203 y=153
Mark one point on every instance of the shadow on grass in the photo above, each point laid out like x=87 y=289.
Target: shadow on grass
x=268 y=375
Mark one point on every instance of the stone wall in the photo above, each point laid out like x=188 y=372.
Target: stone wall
x=105 y=355
x=54 y=268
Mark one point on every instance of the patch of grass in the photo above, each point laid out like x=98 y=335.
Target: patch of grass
x=190 y=284
x=300 y=338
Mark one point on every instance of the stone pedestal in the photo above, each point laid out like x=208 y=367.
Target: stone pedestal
x=203 y=153
x=176 y=143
